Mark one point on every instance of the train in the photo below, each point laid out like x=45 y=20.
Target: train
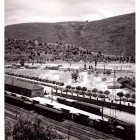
x=81 y=105
x=118 y=128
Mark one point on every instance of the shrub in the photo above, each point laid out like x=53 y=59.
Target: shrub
x=104 y=79
x=108 y=72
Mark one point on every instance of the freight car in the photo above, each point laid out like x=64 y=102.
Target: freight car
x=81 y=105
x=45 y=110
x=67 y=114
x=13 y=100
x=118 y=127
x=65 y=101
x=49 y=112
x=101 y=125
x=27 y=105
x=124 y=130
x=88 y=107
x=81 y=118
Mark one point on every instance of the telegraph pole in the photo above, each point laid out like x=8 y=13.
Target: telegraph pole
x=52 y=94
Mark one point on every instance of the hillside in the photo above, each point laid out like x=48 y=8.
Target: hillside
x=113 y=36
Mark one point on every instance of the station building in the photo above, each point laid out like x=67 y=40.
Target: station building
x=23 y=88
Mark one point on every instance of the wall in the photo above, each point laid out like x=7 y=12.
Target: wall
x=37 y=93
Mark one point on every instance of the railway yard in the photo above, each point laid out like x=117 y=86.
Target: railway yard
x=71 y=115
x=69 y=70
x=76 y=131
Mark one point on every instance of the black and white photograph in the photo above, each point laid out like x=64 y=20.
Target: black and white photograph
x=69 y=70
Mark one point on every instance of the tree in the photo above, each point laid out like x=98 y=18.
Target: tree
x=77 y=91
x=120 y=94
x=72 y=89
x=102 y=96
x=94 y=95
x=75 y=76
x=84 y=88
x=88 y=93
x=8 y=128
x=124 y=99
x=28 y=128
x=99 y=52
x=22 y=62
x=78 y=87
x=100 y=91
x=108 y=72
x=132 y=101
x=94 y=90
x=82 y=93
x=95 y=64
x=133 y=95
x=127 y=95
x=68 y=86
x=107 y=92
x=61 y=84
x=66 y=90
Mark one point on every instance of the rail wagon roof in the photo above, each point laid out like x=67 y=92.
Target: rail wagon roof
x=49 y=109
x=124 y=123
x=83 y=115
x=87 y=104
x=70 y=100
x=13 y=97
x=61 y=98
x=65 y=110
x=27 y=102
x=22 y=84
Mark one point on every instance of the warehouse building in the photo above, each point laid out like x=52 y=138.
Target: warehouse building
x=23 y=88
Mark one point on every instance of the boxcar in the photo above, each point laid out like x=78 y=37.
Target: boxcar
x=81 y=118
x=125 y=130
x=49 y=112
x=88 y=107
x=27 y=105
x=101 y=125
x=13 y=100
x=35 y=102
x=67 y=114
x=68 y=102
x=61 y=100
x=48 y=105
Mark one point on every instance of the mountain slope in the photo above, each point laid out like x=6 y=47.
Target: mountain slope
x=113 y=36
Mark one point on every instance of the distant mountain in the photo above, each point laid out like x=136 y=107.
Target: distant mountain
x=112 y=36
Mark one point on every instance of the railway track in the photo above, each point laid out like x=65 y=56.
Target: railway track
x=91 y=130
x=75 y=130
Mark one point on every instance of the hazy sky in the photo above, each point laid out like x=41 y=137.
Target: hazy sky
x=22 y=11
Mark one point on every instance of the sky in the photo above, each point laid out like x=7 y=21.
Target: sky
x=24 y=11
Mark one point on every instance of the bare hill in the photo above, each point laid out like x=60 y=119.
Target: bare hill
x=113 y=36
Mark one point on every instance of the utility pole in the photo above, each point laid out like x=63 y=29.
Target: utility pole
x=113 y=108
x=52 y=94
x=95 y=64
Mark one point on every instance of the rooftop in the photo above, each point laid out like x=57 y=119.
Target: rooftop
x=22 y=84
